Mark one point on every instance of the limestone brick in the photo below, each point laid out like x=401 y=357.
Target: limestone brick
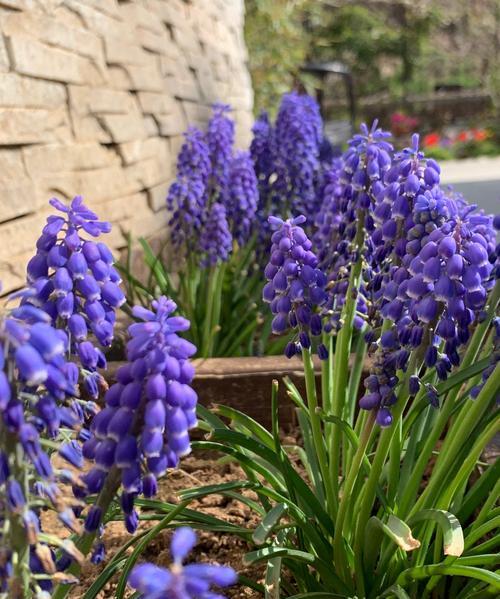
x=25 y=92
x=137 y=150
x=45 y=28
x=25 y=126
x=55 y=158
x=124 y=127
x=17 y=197
x=33 y=58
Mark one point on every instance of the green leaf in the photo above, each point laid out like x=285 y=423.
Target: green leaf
x=265 y=528
x=267 y=553
x=453 y=536
x=311 y=502
x=273 y=573
x=397 y=530
x=411 y=574
x=221 y=488
x=156 y=267
x=237 y=417
x=311 y=456
x=209 y=417
x=294 y=394
x=395 y=591
x=100 y=582
x=319 y=595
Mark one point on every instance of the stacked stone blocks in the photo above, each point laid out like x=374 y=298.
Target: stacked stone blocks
x=94 y=98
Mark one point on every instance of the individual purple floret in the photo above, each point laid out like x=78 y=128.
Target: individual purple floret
x=143 y=429
x=194 y=581
x=297 y=140
x=188 y=195
x=220 y=140
x=241 y=197
x=296 y=286
x=72 y=278
x=215 y=240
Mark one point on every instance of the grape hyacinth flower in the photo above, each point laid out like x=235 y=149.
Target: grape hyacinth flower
x=346 y=221
x=188 y=195
x=220 y=140
x=436 y=294
x=193 y=581
x=215 y=239
x=411 y=178
x=72 y=278
x=261 y=150
x=241 y=197
x=296 y=286
x=37 y=386
x=297 y=140
x=143 y=429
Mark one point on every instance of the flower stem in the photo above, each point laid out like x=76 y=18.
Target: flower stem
x=19 y=584
x=85 y=540
x=208 y=325
x=457 y=436
x=376 y=470
x=319 y=444
x=354 y=470
x=342 y=351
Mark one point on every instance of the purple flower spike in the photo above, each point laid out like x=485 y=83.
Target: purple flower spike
x=215 y=239
x=80 y=284
x=241 y=197
x=296 y=285
x=188 y=195
x=143 y=430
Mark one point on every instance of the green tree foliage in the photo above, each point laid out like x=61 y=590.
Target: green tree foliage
x=283 y=34
x=278 y=46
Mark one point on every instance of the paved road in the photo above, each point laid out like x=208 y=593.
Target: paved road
x=485 y=194
x=477 y=178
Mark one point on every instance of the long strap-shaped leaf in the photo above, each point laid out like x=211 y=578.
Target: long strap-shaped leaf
x=397 y=530
x=395 y=591
x=265 y=528
x=411 y=574
x=453 y=536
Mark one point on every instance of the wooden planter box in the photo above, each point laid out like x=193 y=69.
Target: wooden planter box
x=245 y=384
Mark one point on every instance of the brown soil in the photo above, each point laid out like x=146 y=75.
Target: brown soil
x=212 y=547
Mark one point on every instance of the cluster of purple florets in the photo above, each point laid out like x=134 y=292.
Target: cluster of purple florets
x=143 y=429
x=296 y=287
x=214 y=198
x=297 y=139
x=193 y=581
x=427 y=263
x=187 y=195
x=73 y=280
x=288 y=160
x=429 y=269
x=37 y=388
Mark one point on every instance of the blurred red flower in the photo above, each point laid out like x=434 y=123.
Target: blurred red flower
x=431 y=139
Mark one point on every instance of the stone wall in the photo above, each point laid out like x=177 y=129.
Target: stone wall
x=94 y=97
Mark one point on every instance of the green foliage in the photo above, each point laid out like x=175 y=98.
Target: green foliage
x=277 y=46
x=402 y=523
x=213 y=299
